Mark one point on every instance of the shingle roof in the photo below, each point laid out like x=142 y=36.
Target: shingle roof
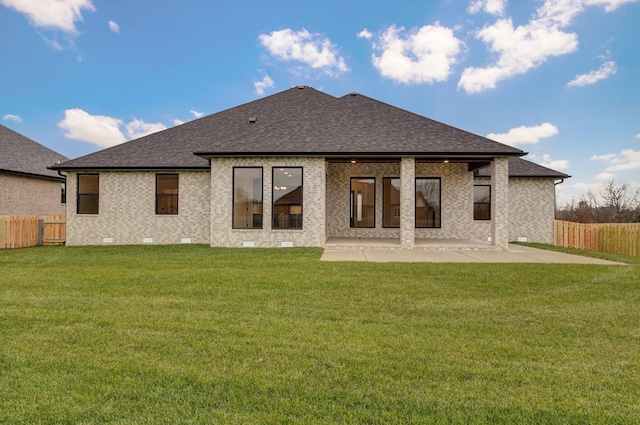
x=21 y=155
x=298 y=121
x=522 y=168
x=357 y=124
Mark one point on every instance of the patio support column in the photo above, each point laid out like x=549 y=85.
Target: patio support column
x=500 y=203
x=407 y=202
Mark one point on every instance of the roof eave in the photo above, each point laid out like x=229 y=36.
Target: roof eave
x=32 y=175
x=132 y=168
x=471 y=155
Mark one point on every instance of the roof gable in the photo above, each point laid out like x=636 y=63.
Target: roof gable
x=21 y=155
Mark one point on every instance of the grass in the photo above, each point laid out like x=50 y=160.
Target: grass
x=192 y=334
x=594 y=254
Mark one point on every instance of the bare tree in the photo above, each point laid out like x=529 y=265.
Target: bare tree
x=611 y=204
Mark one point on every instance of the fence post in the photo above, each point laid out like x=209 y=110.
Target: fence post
x=40 y=232
x=3 y=233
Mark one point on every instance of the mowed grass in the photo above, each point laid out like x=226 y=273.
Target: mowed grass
x=191 y=334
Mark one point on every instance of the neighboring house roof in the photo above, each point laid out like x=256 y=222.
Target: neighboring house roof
x=297 y=122
x=521 y=168
x=23 y=156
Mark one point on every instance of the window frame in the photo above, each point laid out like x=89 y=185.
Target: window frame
x=273 y=200
x=159 y=196
x=481 y=203
x=415 y=207
x=352 y=205
x=80 y=195
x=233 y=196
x=384 y=199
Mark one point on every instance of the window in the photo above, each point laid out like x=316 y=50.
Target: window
x=88 y=193
x=287 y=198
x=363 y=202
x=427 y=202
x=247 y=197
x=63 y=193
x=482 y=202
x=391 y=202
x=166 y=194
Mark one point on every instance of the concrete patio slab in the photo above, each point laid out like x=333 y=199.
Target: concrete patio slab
x=515 y=254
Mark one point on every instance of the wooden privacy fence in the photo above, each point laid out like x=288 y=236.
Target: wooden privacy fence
x=21 y=231
x=615 y=238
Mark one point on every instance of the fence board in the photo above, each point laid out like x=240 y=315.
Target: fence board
x=21 y=231
x=615 y=238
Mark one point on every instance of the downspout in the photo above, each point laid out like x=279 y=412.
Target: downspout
x=555 y=200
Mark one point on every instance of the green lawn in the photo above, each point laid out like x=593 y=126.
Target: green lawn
x=191 y=334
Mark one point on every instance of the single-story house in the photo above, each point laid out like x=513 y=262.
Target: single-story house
x=28 y=186
x=304 y=168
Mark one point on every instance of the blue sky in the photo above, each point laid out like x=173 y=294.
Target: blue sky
x=557 y=78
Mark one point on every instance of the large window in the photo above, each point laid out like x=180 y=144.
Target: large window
x=482 y=202
x=247 y=198
x=166 y=194
x=287 y=198
x=88 y=193
x=427 y=202
x=363 y=202
x=391 y=202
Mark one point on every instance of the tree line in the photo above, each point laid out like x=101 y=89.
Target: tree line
x=613 y=203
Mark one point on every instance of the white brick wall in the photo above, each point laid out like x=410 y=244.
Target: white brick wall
x=313 y=232
x=127 y=210
x=29 y=196
x=127 y=205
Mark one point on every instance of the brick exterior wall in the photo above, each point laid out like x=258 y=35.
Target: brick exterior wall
x=532 y=209
x=30 y=196
x=313 y=232
x=500 y=202
x=127 y=205
x=127 y=210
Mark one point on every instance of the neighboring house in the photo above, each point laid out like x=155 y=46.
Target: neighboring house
x=301 y=167
x=27 y=186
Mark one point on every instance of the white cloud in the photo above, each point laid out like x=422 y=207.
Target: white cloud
x=525 y=135
x=605 y=176
x=313 y=50
x=626 y=159
x=422 y=56
x=519 y=49
x=176 y=121
x=114 y=27
x=547 y=161
x=263 y=84
x=365 y=33
x=609 y=5
x=638 y=136
x=522 y=48
x=59 y=15
x=102 y=130
x=493 y=7
x=11 y=117
x=138 y=128
x=196 y=113
x=605 y=71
